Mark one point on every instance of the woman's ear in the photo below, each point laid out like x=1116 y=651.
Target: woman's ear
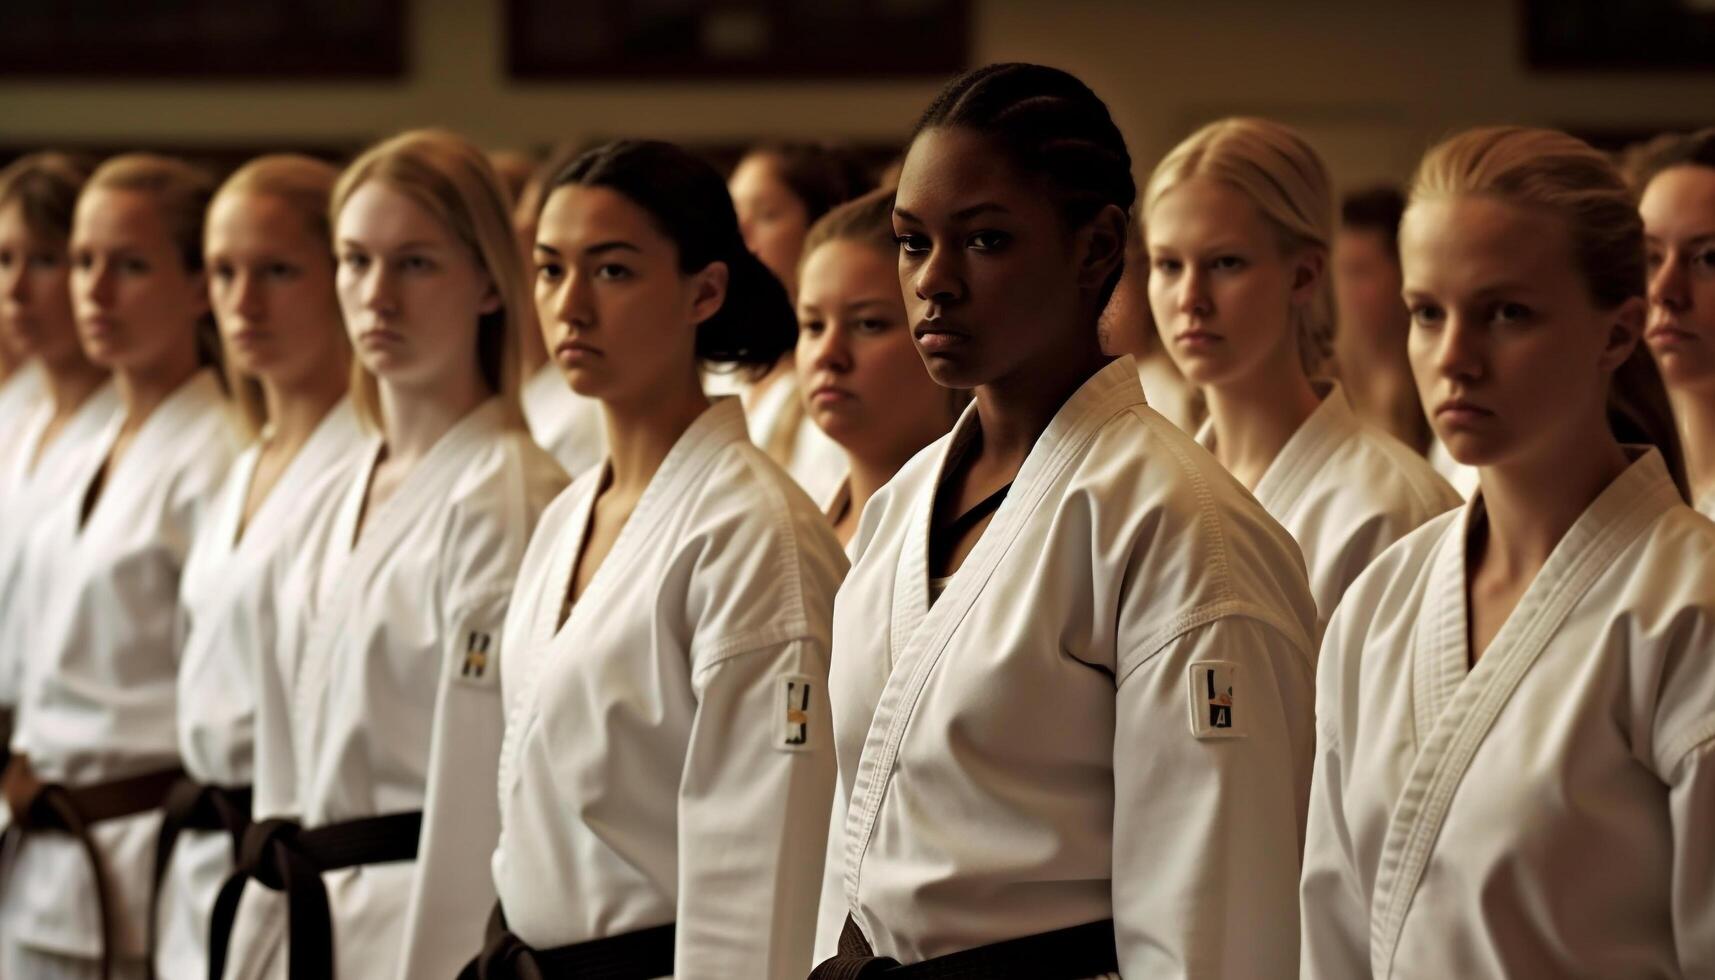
x=1625 y=328
x=1102 y=243
x=708 y=290
x=490 y=299
x=1309 y=265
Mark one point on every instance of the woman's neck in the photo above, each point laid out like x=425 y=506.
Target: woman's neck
x=71 y=383
x=1014 y=411
x=1694 y=411
x=1254 y=417
x=143 y=389
x=414 y=419
x=295 y=409
x=641 y=433
x=1532 y=503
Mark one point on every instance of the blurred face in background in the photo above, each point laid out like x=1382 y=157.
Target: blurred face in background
x=860 y=375
x=137 y=302
x=35 y=292
x=772 y=218
x=1366 y=288
x=1678 y=209
x=271 y=285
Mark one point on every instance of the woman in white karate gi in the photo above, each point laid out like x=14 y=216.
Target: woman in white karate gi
x=1072 y=660
x=858 y=371
x=778 y=191
x=388 y=676
x=37 y=195
x=1239 y=219
x=271 y=285
x=665 y=778
x=95 y=750
x=1515 y=770
x=1678 y=208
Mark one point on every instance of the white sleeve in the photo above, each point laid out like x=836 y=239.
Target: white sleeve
x=753 y=815
x=453 y=891
x=1207 y=830
x=831 y=910
x=1691 y=806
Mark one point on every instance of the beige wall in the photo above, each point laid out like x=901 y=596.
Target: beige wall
x=1370 y=82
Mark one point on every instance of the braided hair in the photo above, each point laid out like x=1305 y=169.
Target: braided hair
x=1052 y=129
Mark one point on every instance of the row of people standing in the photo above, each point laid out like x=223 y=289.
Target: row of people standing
x=1067 y=706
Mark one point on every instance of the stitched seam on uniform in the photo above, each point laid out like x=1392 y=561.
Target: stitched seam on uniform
x=758 y=642
x=1208 y=514
x=1209 y=613
x=1446 y=778
x=1683 y=746
x=749 y=641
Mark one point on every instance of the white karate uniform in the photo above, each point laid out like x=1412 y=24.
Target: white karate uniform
x=565 y=423
x=1461 y=477
x=1706 y=506
x=227 y=595
x=650 y=772
x=813 y=458
x=1346 y=491
x=97 y=701
x=32 y=481
x=1549 y=812
x=1035 y=751
x=388 y=709
x=20 y=396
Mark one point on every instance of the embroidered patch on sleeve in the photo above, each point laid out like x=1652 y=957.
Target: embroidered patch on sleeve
x=1215 y=711
x=797 y=694
x=480 y=664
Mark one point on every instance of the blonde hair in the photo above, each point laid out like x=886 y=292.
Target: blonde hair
x=45 y=186
x=1282 y=175
x=306 y=185
x=454 y=181
x=181 y=192
x=1558 y=174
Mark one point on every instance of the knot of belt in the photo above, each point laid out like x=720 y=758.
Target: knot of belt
x=39 y=807
x=191 y=805
x=287 y=857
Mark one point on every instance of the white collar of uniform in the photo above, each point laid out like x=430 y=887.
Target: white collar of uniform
x=1303 y=457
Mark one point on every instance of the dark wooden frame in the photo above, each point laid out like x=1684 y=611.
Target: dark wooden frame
x=808 y=45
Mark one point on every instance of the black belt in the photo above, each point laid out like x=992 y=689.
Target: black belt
x=641 y=955
x=1064 y=954
x=39 y=807
x=288 y=858
x=192 y=805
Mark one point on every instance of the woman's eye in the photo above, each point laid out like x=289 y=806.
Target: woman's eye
x=135 y=267
x=1511 y=313
x=1167 y=266
x=223 y=272
x=279 y=270
x=355 y=261
x=1227 y=263
x=1425 y=315
x=1652 y=260
x=811 y=327
x=988 y=241
x=612 y=271
x=873 y=325
x=416 y=263
x=912 y=244
x=1704 y=259
x=548 y=271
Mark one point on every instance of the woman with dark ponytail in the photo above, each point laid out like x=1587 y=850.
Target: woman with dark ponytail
x=667 y=762
x=1072 y=687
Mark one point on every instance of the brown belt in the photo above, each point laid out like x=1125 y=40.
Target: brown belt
x=39 y=807
x=1064 y=954
x=191 y=805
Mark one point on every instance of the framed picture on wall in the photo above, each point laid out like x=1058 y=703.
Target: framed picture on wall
x=199 y=39
x=1619 y=35
x=735 y=39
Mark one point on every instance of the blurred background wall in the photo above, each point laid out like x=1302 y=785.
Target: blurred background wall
x=1370 y=82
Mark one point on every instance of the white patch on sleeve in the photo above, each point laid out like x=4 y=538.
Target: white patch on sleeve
x=479 y=658
x=793 y=727
x=1215 y=707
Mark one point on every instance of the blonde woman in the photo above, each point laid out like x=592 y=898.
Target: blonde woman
x=389 y=674
x=1515 y=772
x=271 y=285
x=95 y=750
x=1128 y=327
x=1239 y=218
x=37 y=195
